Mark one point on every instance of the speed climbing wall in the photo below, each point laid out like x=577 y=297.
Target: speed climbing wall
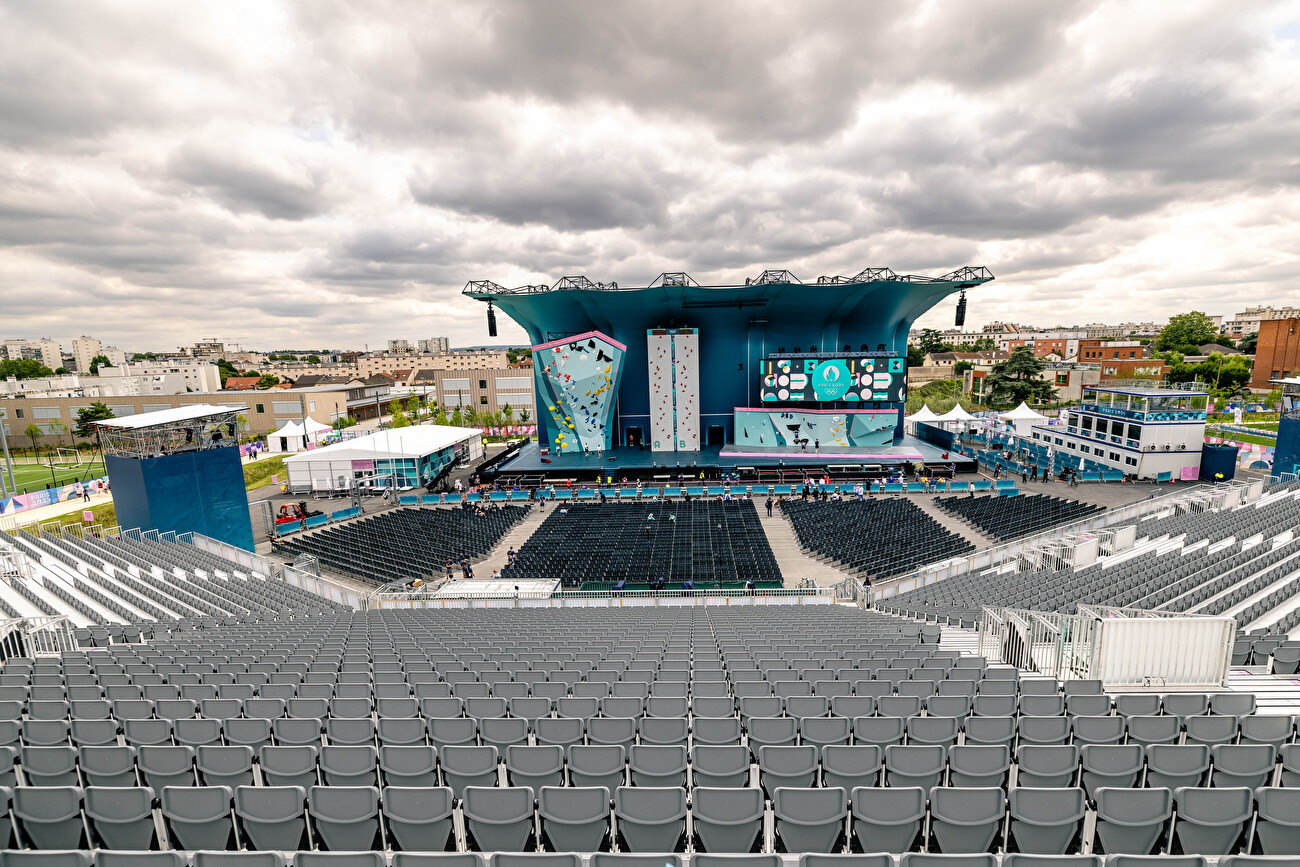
x=674 y=371
x=577 y=381
x=773 y=428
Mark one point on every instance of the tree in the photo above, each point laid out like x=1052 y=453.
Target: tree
x=440 y=416
x=962 y=366
x=58 y=428
x=61 y=371
x=266 y=380
x=313 y=359
x=1187 y=329
x=400 y=419
x=524 y=415
x=23 y=368
x=97 y=362
x=1017 y=379
x=1273 y=400
x=984 y=344
x=929 y=341
x=1248 y=343
x=88 y=415
x=34 y=433
x=456 y=419
x=507 y=415
x=224 y=369
x=413 y=407
x=915 y=357
x=344 y=421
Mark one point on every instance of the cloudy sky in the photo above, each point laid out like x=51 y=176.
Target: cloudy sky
x=332 y=173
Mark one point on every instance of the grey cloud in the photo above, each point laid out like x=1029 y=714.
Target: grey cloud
x=241 y=183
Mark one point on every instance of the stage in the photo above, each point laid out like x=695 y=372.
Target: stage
x=635 y=463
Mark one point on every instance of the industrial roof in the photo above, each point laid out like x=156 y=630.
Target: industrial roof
x=170 y=416
x=406 y=442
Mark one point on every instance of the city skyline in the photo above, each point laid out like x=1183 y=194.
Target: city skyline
x=319 y=174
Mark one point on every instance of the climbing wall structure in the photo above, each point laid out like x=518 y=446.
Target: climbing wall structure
x=577 y=381
x=674 y=372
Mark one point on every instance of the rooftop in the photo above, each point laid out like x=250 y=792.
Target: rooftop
x=413 y=441
x=171 y=416
x=1147 y=392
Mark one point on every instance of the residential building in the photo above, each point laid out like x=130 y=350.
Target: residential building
x=195 y=376
x=1095 y=349
x=434 y=345
x=205 y=348
x=241 y=383
x=1277 y=354
x=84 y=350
x=399 y=346
x=488 y=389
x=1251 y=319
x=1068 y=380
x=45 y=350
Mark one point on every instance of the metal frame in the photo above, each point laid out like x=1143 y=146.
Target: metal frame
x=213 y=431
x=37 y=636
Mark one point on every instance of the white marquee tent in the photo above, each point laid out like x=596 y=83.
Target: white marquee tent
x=1022 y=418
x=292 y=437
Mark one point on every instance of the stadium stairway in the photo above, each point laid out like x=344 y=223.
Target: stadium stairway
x=795 y=563
x=518 y=535
x=954 y=524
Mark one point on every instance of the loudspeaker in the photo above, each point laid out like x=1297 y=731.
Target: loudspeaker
x=492 y=321
x=961 y=310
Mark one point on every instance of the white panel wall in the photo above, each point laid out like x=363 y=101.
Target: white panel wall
x=686 y=389
x=660 y=350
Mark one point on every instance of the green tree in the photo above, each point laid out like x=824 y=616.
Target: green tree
x=58 y=429
x=984 y=344
x=344 y=421
x=34 y=433
x=97 y=362
x=266 y=380
x=929 y=341
x=23 y=368
x=915 y=357
x=440 y=416
x=1273 y=400
x=400 y=419
x=1248 y=343
x=224 y=369
x=457 y=420
x=60 y=371
x=508 y=415
x=962 y=366
x=88 y=415
x=413 y=407
x=524 y=415
x=313 y=359
x=1187 y=329
x=1018 y=378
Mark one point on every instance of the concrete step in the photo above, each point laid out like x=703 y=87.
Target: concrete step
x=953 y=523
x=794 y=563
x=518 y=535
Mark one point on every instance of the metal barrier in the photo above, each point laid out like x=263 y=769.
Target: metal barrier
x=606 y=599
x=1121 y=647
x=255 y=563
x=36 y=636
x=324 y=587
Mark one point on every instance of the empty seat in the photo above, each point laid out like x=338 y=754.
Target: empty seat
x=882 y=731
x=349 y=766
x=468 y=766
x=727 y=820
x=770 y=731
x=49 y=817
x=272 y=817
x=1147 y=730
x=559 y=732
x=1047 y=767
x=408 y=765
x=716 y=731
x=938 y=730
x=420 y=819
x=163 y=766
x=611 y=731
x=720 y=767
x=1143 y=704
x=663 y=731
x=1211 y=730
x=50 y=766
x=1237 y=704
x=289 y=766
x=921 y=766
x=650 y=819
x=574 y=818
x=535 y=766
x=1186 y=705
x=1098 y=729
x=978 y=766
x=498 y=819
x=824 y=731
x=1113 y=765
x=456 y=732
x=658 y=766
x=224 y=766
x=597 y=765
x=967 y=821
x=346 y=818
x=1132 y=821
x=502 y=732
x=198 y=817
x=1046 y=821
x=1276 y=825
x=888 y=819
x=810 y=820
x=795 y=767
x=1211 y=821
x=401 y=732
x=1172 y=766
x=990 y=730
x=1274 y=730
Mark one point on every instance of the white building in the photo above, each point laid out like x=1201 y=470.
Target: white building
x=1152 y=433
x=196 y=376
x=84 y=350
x=405 y=457
x=435 y=345
x=1247 y=321
x=45 y=350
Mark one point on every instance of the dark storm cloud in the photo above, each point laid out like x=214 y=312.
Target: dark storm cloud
x=238 y=182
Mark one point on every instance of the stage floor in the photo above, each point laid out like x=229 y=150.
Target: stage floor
x=645 y=463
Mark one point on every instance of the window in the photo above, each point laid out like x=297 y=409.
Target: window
x=19 y=412
x=260 y=409
x=483 y=400
x=1071 y=445
x=1085 y=449
x=1131 y=461
x=1114 y=456
x=1101 y=425
x=1087 y=422
x=482 y=383
x=311 y=405
x=1134 y=431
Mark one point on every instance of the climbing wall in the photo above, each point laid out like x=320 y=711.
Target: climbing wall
x=577 y=382
x=770 y=428
x=674 y=371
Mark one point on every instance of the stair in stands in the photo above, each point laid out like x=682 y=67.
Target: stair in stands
x=795 y=563
x=953 y=523
x=518 y=535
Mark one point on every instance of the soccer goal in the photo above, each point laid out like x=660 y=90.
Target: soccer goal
x=68 y=458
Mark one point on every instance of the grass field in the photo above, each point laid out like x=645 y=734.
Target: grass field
x=35 y=477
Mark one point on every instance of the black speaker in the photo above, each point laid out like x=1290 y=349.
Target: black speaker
x=492 y=321
x=961 y=310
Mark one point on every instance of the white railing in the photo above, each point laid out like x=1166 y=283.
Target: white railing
x=608 y=599
x=324 y=587
x=990 y=557
x=36 y=636
x=1124 y=648
x=254 y=563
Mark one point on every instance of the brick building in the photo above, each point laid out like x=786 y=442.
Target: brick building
x=1277 y=355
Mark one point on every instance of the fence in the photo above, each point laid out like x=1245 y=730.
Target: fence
x=991 y=557
x=254 y=563
x=603 y=599
x=36 y=636
x=324 y=587
x=1122 y=647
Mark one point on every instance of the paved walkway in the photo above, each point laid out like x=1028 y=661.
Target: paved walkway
x=48 y=513
x=794 y=562
x=953 y=524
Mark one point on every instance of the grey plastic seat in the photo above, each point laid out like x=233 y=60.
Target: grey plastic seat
x=502 y=732
x=141 y=732
x=824 y=731
x=771 y=731
x=848 y=767
x=437 y=859
x=1249 y=765
x=350 y=732
x=883 y=731
x=611 y=731
x=1047 y=767
x=6 y=824
x=1186 y=705
x=297 y=732
x=454 y=732
x=1115 y=765
x=1148 y=730
x=349 y=766
x=197 y=732
x=420 y=819
x=121 y=818
x=990 y=731
x=626 y=706
x=50 y=766
x=809 y=819
x=949 y=705
x=597 y=765
x=535 y=766
x=817 y=859
x=1098 y=729
x=1138 y=704
x=574 y=818
x=1212 y=821
x=272 y=817
x=994 y=705
x=1087 y=705
x=498 y=819
x=289 y=766
x=346 y=818
x=163 y=766
x=888 y=819
x=795 y=767
x=1044 y=730
x=559 y=732
x=1212 y=730
x=1132 y=821
x=253 y=733
x=49 y=817
x=702 y=706
x=720 y=767
x=650 y=819
x=727 y=820
x=109 y=858
x=224 y=766
x=940 y=730
x=1238 y=704
x=853 y=706
x=663 y=731
x=198 y=817
x=657 y=766
x=760 y=706
x=401 y=732
x=1275 y=730
x=1046 y=821
x=408 y=765
x=98 y=732
x=44 y=859
x=46 y=733
x=1276 y=827
x=333 y=859
x=967 y=821
x=978 y=766
x=716 y=731
x=921 y=766
x=1172 y=766
x=533 y=859
x=1042 y=705
x=1290 y=777
x=468 y=766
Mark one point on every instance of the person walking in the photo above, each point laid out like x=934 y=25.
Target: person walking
x=769 y=505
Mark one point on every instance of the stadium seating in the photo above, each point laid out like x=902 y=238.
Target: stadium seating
x=594 y=546
x=874 y=538
x=1009 y=518
x=402 y=544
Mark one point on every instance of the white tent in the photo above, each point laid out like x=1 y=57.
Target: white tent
x=290 y=437
x=1022 y=418
x=924 y=414
x=406 y=457
x=956 y=414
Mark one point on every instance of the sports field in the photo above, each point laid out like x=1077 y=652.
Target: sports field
x=36 y=477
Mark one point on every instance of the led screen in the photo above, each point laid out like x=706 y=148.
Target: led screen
x=861 y=378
